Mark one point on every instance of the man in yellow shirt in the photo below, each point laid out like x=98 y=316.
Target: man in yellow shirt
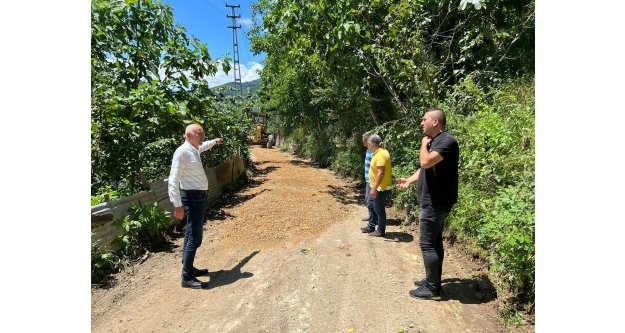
x=380 y=180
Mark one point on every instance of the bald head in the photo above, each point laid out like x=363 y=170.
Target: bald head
x=193 y=129
x=194 y=134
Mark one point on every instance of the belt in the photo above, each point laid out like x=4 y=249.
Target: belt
x=194 y=191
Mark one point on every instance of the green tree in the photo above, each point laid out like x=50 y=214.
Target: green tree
x=148 y=83
x=335 y=69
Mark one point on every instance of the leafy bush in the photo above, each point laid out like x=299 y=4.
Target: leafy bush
x=496 y=204
x=103 y=262
x=102 y=193
x=144 y=228
x=495 y=212
x=508 y=234
x=348 y=153
x=312 y=144
x=156 y=158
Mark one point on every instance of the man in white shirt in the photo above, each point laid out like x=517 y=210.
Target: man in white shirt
x=187 y=186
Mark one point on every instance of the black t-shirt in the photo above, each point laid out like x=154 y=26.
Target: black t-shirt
x=438 y=185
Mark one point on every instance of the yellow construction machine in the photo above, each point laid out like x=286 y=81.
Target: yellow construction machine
x=260 y=136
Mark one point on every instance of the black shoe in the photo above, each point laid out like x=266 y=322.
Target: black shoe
x=194 y=284
x=200 y=272
x=424 y=292
x=365 y=230
x=377 y=233
x=419 y=283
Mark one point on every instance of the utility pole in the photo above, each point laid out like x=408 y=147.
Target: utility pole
x=235 y=45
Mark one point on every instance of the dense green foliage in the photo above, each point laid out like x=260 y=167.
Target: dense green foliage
x=497 y=209
x=104 y=262
x=147 y=84
x=106 y=193
x=331 y=62
x=145 y=228
x=335 y=69
x=495 y=212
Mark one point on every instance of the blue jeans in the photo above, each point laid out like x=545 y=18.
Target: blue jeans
x=431 y=219
x=378 y=214
x=194 y=210
x=369 y=204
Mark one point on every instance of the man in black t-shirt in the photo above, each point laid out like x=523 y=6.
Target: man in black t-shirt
x=437 y=191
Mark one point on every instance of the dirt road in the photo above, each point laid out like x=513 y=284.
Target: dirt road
x=286 y=255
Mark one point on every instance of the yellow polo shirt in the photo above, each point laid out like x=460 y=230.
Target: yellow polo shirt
x=381 y=159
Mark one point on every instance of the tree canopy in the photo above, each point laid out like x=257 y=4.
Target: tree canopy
x=336 y=69
x=148 y=83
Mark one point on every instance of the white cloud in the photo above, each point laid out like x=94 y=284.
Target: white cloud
x=251 y=73
x=219 y=78
x=246 y=22
x=248 y=73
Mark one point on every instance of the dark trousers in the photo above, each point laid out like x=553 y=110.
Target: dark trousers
x=194 y=209
x=379 y=211
x=431 y=219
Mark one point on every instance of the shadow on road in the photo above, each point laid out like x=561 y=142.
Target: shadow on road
x=265 y=171
x=344 y=195
x=306 y=163
x=236 y=198
x=218 y=214
x=469 y=291
x=259 y=176
x=224 y=277
x=399 y=237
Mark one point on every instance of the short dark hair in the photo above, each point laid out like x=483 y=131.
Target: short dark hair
x=438 y=114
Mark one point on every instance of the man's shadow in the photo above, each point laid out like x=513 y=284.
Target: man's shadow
x=224 y=277
x=469 y=291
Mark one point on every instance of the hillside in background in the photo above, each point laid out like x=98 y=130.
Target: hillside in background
x=252 y=86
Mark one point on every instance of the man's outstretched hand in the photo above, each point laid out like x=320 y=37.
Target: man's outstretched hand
x=402 y=183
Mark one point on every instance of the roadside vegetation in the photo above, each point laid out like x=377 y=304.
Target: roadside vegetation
x=336 y=69
x=144 y=229
x=333 y=70
x=147 y=85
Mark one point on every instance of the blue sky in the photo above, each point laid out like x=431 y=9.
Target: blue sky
x=206 y=20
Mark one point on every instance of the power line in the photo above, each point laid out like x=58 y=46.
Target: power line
x=215 y=8
x=247 y=40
